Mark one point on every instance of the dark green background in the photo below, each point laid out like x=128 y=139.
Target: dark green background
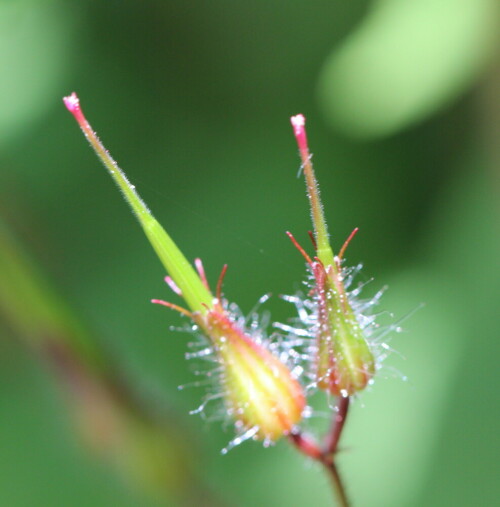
x=193 y=99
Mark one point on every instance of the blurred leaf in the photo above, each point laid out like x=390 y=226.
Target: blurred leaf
x=405 y=61
x=35 y=46
x=463 y=468
x=393 y=429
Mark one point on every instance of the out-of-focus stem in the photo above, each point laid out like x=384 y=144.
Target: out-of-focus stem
x=306 y=445
x=309 y=447
x=337 y=483
x=339 y=418
x=33 y=309
x=193 y=291
x=151 y=451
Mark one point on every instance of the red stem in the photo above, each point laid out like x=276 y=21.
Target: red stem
x=337 y=483
x=306 y=445
x=332 y=439
x=326 y=455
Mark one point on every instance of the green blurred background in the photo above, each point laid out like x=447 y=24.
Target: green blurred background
x=193 y=99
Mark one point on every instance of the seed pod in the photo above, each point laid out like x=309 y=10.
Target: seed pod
x=343 y=362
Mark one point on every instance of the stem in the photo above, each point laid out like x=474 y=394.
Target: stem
x=306 y=445
x=309 y=447
x=332 y=439
x=110 y=416
x=337 y=483
x=194 y=292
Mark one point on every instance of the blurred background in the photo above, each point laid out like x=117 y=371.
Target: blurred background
x=193 y=99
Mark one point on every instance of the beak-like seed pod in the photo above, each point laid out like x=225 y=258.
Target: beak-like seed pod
x=260 y=392
x=344 y=362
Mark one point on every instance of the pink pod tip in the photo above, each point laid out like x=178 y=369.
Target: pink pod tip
x=298 y=123
x=72 y=102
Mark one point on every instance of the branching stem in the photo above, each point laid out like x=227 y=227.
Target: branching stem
x=326 y=454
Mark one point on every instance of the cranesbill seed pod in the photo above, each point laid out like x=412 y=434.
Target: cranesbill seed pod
x=344 y=362
x=261 y=393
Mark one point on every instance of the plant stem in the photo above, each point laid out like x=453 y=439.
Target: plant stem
x=332 y=439
x=306 y=445
x=326 y=455
x=338 y=485
x=330 y=449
